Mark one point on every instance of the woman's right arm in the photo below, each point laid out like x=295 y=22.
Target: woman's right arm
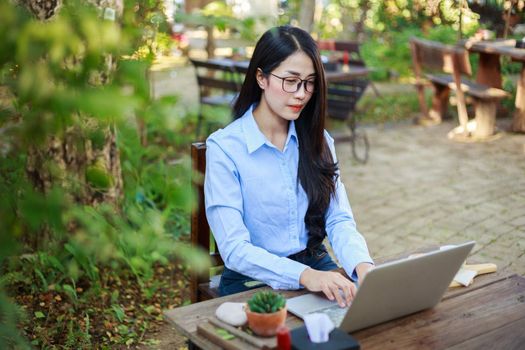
x=224 y=210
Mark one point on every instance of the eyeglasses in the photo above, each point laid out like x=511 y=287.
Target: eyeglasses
x=292 y=85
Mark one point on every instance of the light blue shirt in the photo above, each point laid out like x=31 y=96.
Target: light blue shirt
x=256 y=206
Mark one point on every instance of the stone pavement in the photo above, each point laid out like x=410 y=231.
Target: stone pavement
x=420 y=189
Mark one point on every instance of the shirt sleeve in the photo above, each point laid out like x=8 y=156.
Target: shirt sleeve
x=348 y=244
x=224 y=211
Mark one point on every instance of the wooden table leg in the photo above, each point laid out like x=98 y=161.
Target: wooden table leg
x=518 y=122
x=485 y=118
x=438 y=111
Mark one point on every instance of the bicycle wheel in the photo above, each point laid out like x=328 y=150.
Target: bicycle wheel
x=360 y=146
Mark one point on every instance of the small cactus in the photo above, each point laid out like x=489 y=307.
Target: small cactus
x=266 y=302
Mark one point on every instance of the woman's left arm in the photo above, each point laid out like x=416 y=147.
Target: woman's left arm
x=348 y=244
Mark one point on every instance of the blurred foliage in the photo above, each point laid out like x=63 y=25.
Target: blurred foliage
x=339 y=16
x=219 y=15
x=79 y=76
x=150 y=30
x=384 y=28
x=393 y=48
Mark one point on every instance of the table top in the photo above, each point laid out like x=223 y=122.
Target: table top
x=489 y=313
x=497 y=47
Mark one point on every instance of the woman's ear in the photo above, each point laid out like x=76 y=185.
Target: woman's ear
x=261 y=78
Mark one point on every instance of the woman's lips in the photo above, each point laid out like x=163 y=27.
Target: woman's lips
x=296 y=108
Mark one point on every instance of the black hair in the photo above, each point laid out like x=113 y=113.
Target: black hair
x=317 y=171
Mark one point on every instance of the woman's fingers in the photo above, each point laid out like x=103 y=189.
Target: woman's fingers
x=342 y=289
x=334 y=285
x=348 y=290
x=338 y=297
x=328 y=292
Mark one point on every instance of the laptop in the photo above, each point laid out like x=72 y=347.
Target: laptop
x=390 y=290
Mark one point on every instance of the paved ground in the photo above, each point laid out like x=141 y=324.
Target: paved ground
x=420 y=189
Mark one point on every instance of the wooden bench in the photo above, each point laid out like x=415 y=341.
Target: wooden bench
x=200 y=288
x=445 y=67
x=218 y=84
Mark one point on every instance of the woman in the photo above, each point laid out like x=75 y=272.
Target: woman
x=272 y=188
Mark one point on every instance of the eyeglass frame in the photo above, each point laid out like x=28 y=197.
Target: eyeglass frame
x=302 y=82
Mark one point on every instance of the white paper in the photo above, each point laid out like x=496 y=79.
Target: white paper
x=465 y=276
x=319 y=327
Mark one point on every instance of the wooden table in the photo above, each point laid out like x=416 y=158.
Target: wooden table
x=489 y=71
x=488 y=314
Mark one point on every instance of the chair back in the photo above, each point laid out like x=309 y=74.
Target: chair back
x=215 y=77
x=431 y=56
x=343 y=96
x=350 y=47
x=200 y=230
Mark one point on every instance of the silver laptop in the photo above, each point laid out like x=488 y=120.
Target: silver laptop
x=390 y=290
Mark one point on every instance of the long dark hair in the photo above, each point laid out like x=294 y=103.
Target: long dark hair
x=317 y=169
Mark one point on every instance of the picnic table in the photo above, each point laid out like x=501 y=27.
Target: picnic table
x=489 y=71
x=488 y=314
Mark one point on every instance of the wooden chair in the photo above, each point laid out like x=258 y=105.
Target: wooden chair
x=351 y=48
x=201 y=236
x=445 y=67
x=218 y=85
x=342 y=96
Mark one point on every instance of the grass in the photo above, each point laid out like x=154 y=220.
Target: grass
x=393 y=107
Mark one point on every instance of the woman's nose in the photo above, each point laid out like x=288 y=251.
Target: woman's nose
x=301 y=91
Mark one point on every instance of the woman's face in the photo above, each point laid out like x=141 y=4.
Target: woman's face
x=279 y=86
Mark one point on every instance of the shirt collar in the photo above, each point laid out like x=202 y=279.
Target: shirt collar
x=254 y=137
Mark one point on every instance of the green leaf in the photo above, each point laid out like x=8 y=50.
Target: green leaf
x=39 y=314
x=123 y=329
x=224 y=334
x=105 y=103
x=98 y=178
x=119 y=312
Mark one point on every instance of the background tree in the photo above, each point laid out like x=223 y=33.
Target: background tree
x=73 y=233
x=306 y=15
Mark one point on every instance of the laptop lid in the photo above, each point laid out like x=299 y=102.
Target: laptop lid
x=394 y=289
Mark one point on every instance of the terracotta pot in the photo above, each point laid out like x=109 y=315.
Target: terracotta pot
x=265 y=325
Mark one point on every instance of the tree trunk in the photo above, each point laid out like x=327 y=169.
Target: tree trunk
x=306 y=15
x=88 y=171
x=42 y=9
x=360 y=26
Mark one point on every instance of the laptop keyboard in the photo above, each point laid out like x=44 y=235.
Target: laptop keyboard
x=335 y=313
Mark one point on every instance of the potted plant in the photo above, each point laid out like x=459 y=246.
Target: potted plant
x=266 y=311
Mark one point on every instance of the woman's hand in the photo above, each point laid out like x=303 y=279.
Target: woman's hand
x=330 y=283
x=362 y=269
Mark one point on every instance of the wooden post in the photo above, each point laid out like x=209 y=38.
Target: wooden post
x=518 y=122
x=438 y=111
x=507 y=18
x=485 y=118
